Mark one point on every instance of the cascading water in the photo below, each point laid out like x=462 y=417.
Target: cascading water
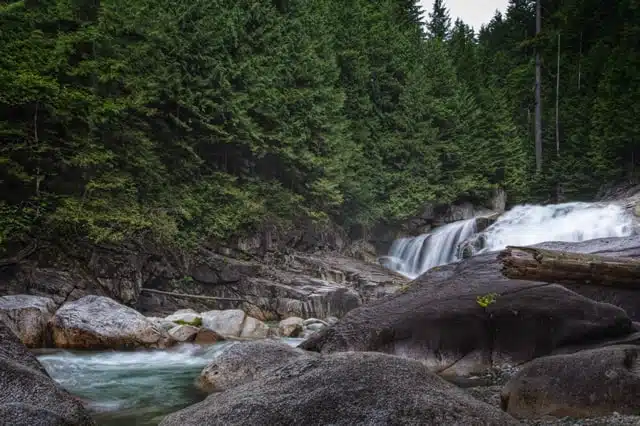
x=523 y=225
x=570 y=222
x=414 y=256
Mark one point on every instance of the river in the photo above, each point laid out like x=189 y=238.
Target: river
x=133 y=388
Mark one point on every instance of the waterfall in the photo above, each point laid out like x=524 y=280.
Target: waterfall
x=570 y=222
x=413 y=256
x=521 y=226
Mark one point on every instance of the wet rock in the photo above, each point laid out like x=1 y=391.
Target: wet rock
x=589 y=383
x=207 y=337
x=291 y=327
x=464 y=318
x=27 y=316
x=96 y=322
x=342 y=389
x=184 y=333
x=29 y=396
x=243 y=362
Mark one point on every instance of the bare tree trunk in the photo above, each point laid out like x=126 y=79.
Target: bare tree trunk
x=538 y=125
x=558 y=101
x=580 y=63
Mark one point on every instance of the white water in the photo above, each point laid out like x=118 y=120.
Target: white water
x=414 y=256
x=140 y=387
x=569 y=222
x=523 y=225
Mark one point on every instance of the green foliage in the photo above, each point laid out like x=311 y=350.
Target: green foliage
x=486 y=300
x=197 y=322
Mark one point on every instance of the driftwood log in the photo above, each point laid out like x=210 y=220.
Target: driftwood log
x=552 y=266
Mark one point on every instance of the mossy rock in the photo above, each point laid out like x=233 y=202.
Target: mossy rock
x=197 y=322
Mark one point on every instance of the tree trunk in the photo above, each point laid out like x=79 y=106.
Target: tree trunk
x=538 y=128
x=558 y=101
x=552 y=266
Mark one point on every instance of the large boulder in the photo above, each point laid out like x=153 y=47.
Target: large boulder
x=243 y=362
x=589 y=383
x=464 y=318
x=343 y=389
x=96 y=322
x=27 y=316
x=29 y=397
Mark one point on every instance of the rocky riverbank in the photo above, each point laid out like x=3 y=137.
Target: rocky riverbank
x=484 y=349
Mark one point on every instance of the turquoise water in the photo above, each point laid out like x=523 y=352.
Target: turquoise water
x=133 y=388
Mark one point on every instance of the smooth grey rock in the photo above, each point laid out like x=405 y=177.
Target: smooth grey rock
x=242 y=362
x=29 y=397
x=27 y=316
x=96 y=322
x=589 y=383
x=228 y=323
x=343 y=389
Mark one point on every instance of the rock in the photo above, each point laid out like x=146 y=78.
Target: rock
x=342 y=389
x=332 y=320
x=254 y=329
x=27 y=316
x=314 y=324
x=96 y=322
x=207 y=337
x=162 y=323
x=185 y=316
x=184 y=333
x=301 y=285
x=29 y=396
x=242 y=362
x=464 y=318
x=290 y=327
x=228 y=323
x=589 y=383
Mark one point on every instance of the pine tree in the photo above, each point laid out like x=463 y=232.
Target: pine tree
x=439 y=23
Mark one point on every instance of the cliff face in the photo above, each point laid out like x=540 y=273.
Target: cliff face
x=272 y=274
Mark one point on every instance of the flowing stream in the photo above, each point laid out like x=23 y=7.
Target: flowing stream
x=133 y=388
x=522 y=225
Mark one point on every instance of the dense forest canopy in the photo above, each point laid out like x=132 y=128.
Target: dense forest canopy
x=181 y=121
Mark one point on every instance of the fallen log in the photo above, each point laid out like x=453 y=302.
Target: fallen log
x=194 y=296
x=552 y=266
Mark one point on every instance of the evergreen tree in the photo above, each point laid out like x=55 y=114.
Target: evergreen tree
x=439 y=23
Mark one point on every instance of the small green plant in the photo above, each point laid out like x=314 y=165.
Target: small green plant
x=486 y=300
x=404 y=288
x=197 y=322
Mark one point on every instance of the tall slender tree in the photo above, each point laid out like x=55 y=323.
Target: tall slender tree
x=439 y=23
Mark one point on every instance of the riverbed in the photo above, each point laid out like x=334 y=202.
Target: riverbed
x=133 y=388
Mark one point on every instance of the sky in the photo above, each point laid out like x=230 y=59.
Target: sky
x=472 y=12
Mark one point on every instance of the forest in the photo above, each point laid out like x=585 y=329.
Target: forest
x=183 y=121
